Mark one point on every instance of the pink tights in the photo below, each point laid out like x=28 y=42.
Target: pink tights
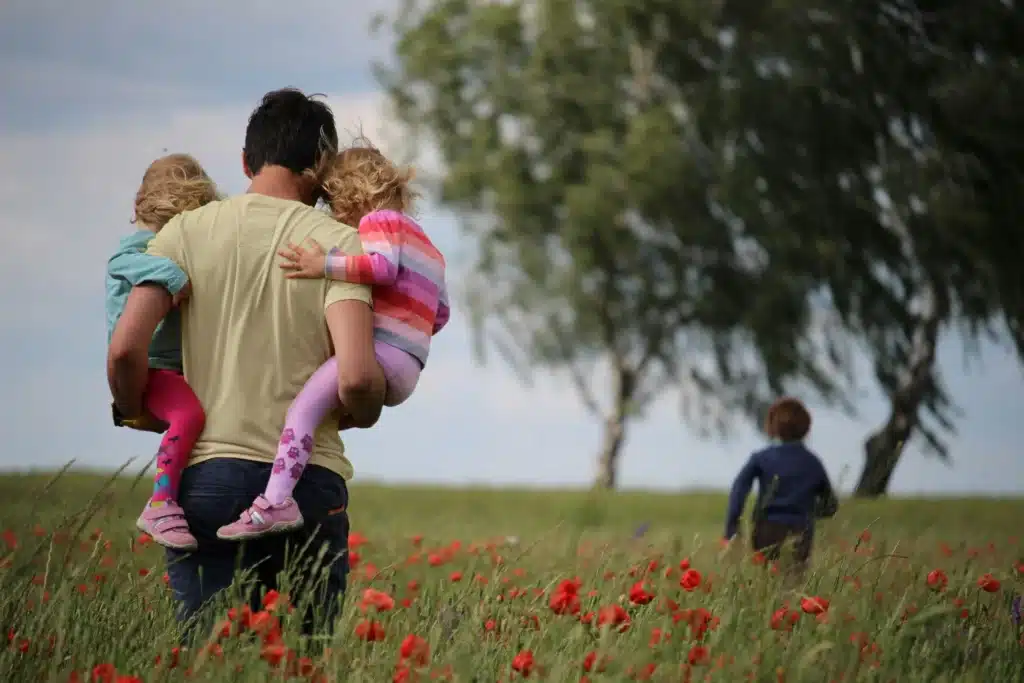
x=316 y=400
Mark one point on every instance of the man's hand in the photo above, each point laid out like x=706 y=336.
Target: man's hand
x=306 y=263
x=182 y=295
x=145 y=423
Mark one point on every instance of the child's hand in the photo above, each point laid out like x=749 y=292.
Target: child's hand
x=304 y=263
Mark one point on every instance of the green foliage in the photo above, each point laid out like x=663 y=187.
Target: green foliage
x=722 y=197
x=859 y=125
x=576 y=164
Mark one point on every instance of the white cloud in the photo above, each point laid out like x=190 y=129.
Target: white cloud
x=54 y=79
x=453 y=376
x=73 y=190
x=163 y=37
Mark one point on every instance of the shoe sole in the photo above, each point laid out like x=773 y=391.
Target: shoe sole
x=279 y=528
x=140 y=525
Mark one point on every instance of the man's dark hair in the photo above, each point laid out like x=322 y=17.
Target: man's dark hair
x=290 y=129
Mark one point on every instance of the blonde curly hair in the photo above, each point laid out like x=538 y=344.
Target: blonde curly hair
x=171 y=185
x=361 y=179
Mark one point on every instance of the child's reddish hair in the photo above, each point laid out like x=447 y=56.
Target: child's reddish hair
x=788 y=420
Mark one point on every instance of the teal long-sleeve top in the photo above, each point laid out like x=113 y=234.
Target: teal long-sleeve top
x=130 y=266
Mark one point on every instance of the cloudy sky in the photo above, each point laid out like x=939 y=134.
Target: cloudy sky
x=92 y=92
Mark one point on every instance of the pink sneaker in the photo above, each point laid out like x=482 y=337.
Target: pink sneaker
x=166 y=524
x=262 y=519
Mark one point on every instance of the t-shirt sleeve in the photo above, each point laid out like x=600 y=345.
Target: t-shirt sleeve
x=138 y=268
x=169 y=243
x=347 y=243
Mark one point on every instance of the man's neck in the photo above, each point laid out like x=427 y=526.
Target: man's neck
x=278 y=181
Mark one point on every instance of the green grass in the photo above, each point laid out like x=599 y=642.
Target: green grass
x=80 y=591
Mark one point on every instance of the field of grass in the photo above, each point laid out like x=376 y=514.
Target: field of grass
x=498 y=585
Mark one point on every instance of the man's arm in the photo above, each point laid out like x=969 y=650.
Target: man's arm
x=128 y=354
x=361 y=383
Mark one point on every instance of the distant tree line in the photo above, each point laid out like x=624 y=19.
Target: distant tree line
x=723 y=199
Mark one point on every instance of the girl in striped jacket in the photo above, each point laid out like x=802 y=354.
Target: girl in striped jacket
x=410 y=306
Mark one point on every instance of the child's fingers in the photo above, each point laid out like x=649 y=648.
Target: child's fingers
x=295 y=251
x=287 y=254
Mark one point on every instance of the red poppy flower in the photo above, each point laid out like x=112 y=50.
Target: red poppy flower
x=369 y=631
x=565 y=598
x=937 y=580
x=814 y=605
x=988 y=583
x=378 y=599
x=638 y=594
x=593 y=662
x=414 y=649
x=690 y=580
x=523 y=663
x=613 y=615
x=784 y=619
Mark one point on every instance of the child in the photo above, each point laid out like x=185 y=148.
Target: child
x=410 y=304
x=792 y=485
x=171 y=185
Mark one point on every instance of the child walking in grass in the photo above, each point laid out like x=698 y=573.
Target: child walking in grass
x=410 y=303
x=793 y=488
x=171 y=185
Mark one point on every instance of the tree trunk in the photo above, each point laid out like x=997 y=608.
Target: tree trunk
x=615 y=428
x=883 y=449
x=611 y=448
x=881 y=455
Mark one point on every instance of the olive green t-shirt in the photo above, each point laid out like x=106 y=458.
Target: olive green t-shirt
x=251 y=337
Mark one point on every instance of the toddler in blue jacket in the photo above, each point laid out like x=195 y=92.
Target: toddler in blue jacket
x=793 y=488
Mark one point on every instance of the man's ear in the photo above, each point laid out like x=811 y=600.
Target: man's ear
x=245 y=167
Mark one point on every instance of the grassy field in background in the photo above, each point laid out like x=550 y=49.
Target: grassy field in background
x=481 y=576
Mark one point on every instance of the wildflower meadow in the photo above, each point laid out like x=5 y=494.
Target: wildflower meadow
x=496 y=585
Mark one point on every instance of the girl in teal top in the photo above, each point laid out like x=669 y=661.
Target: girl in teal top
x=171 y=185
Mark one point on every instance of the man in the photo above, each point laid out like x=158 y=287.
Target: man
x=250 y=339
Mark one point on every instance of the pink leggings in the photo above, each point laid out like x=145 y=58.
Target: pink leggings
x=318 y=398
x=170 y=398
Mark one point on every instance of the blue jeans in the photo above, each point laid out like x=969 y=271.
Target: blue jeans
x=214 y=493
